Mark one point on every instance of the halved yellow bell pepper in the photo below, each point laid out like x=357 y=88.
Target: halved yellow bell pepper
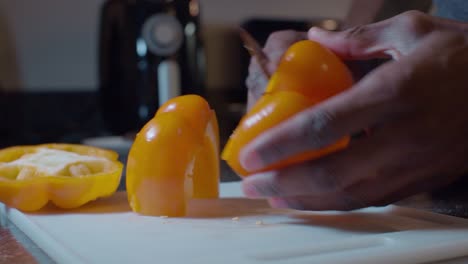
x=175 y=156
x=68 y=175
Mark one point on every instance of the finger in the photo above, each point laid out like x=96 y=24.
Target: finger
x=384 y=168
x=317 y=203
x=256 y=80
x=365 y=193
x=305 y=179
x=332 y=174
x=360 y=107
x=393 y=37
x=362 y=195
x=380 y=192
x=450 y=25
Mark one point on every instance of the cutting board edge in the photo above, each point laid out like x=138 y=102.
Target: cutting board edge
x=49 y=244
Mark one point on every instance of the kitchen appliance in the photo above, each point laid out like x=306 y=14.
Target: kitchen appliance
x=149 y=52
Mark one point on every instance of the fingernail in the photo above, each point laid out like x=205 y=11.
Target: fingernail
x=250 y=191
x=251 y=161
x=316 y=32
x=277 y=202
x=259 y=185
x=283 y=203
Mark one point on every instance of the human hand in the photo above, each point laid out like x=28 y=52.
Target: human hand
x=415 y=105
x=276 y=44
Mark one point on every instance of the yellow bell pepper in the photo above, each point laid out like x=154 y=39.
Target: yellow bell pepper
x=175 y=156
x=307 y=74
x=68 y=175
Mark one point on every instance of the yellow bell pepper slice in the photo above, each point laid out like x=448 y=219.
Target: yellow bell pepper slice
x=270 y=110
x=175 y=156
x=68 y=175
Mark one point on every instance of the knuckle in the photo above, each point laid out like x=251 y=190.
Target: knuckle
x=281 y=35
x=359 y=38
x=415 y=22
x=315 y=128
x=275 y=152
x=325 y=180
x=276 y=184
x=356 y=32
x=281 y=40
x=272 y=187
x=393 y=86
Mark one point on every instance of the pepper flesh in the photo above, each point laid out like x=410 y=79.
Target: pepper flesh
x=174 y=157
x=29 y=188
x=306 y=75
x=311 y=70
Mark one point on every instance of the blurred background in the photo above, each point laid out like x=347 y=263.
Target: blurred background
x=94 y=72
x=51 y=45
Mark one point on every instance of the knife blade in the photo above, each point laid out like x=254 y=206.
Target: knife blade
x=254 y=49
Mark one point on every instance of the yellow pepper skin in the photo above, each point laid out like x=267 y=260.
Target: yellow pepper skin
x=100 y=178
x=307 y=74
x=270 y=110
x=174 y=157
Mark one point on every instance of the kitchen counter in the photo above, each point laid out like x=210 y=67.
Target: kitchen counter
x=73 y=116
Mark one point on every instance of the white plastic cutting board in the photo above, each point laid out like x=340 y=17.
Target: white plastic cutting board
x=236 y=230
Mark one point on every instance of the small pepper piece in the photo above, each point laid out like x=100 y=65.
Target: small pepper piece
x=175 y=156
x=68 y=175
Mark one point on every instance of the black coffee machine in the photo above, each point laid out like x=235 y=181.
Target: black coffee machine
x=149 y=52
